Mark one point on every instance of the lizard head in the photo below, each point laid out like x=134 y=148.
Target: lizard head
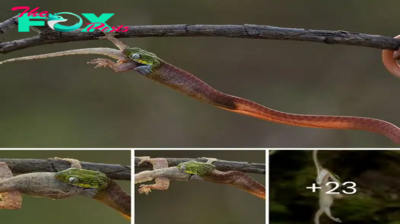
x=142 y=57
x=198 y=168
x=83 y=178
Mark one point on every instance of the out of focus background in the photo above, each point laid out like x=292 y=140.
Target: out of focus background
x=63 y=102
x=80 y=209
x=375 y=173
x=201 y=202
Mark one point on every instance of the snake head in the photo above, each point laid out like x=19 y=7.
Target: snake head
x=87 y=179
x=143 y=58
x=197 y=168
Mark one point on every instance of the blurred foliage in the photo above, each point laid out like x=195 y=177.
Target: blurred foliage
x=63 y=102
x=78 y=208
x=375 y=172
x=199 y=202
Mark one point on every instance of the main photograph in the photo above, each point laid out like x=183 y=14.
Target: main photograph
x=201 y=74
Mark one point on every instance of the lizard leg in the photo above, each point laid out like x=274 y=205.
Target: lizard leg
x=74 y=162
x=120 y=66
x=210 y=160
x=317 y=216
x=10 y=199
x=328 y=213
x=111 y=37
x=161 y=183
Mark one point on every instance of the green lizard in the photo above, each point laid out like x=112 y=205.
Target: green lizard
x=68 y=183
x=156 y=69
x=193 y=170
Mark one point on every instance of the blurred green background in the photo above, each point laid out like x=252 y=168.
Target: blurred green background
x=63 y=102
x=375 y=172
x=80 y=209
x=199 y=202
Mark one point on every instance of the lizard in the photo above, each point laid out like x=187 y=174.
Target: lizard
x=389 y=58
x=70 y=182
x=193 y=170
x=150 y=66
x=325 y=200
x=10 y=199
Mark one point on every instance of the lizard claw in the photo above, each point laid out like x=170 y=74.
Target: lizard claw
x=337 y=220
x=144 y=189
x=99 y=62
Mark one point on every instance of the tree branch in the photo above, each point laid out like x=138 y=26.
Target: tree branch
x=21 y=166
x=222 y=165
x=185 y=30
x=8 y=24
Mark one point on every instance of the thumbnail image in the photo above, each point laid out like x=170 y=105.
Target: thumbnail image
x=79 y=182
x=200 y=186
x=328 y=186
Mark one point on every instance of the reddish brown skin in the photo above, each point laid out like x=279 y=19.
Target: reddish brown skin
x=116 y=198
x=188 y=84
x=237 y=179
x=389 y=59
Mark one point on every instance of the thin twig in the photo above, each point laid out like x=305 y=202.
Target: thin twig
x=231 y=31
x=21 y=166
x=222 y=165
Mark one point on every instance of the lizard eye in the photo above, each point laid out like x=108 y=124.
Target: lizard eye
x=72 y=180
x=135 y=56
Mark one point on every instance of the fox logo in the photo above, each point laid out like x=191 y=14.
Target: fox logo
x=55 y=18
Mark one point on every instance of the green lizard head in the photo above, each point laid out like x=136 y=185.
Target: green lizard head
x=84 y=178
x=198 y=168
x=142 y=57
